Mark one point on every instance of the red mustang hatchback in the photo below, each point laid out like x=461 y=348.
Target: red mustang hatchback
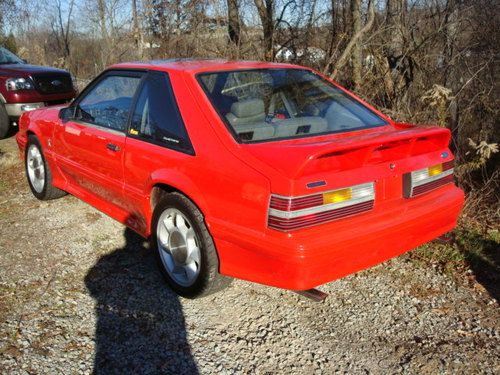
x=266 y=172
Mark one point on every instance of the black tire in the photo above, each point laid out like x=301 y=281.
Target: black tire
x=4 y=122
x=47 y=191
x=209 y=280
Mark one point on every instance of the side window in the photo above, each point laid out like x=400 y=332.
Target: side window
x=108 y=103
x=156 y=116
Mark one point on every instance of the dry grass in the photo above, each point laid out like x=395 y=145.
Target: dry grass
x=472 y=256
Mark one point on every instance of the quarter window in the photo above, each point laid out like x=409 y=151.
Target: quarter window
x=156 y=116
x=108 y=102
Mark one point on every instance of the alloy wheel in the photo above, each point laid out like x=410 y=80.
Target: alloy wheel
x=36 y=168
x=179 y=247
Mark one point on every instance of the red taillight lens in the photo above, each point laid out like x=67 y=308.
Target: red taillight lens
x=289 y=213
x=290 y=204
x=427 y=179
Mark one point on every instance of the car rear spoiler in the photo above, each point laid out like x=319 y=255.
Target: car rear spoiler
x=354 y=152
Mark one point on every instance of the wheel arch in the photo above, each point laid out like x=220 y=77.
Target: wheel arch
x=159 y=189
x=33 y=129
x=29 y=133
x=182 y=185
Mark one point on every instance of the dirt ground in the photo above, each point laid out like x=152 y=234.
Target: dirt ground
x=80 y=294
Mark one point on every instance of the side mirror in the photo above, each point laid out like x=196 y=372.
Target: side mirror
x=25 y=61
x=67 y=113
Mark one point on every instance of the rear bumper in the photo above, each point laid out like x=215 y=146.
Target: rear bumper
x=315 y=256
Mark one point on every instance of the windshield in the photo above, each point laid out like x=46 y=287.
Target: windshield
x=7 y=57
x=267 y=104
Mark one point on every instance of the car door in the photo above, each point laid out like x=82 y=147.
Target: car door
x=90 y=144
x=157 y=140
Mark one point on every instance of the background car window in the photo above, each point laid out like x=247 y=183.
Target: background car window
x=156 y=116
x=108 y=103
x=7 y=57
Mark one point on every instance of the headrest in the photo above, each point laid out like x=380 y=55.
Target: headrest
x=248 y=108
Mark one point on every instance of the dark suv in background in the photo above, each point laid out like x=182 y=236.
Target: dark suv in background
x=24 y=87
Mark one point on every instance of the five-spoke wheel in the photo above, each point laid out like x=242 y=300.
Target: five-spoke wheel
x=185 y=250
x=179 y=246
x=38 y=172
x=35 y=167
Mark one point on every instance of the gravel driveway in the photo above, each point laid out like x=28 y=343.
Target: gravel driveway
x=79 y=293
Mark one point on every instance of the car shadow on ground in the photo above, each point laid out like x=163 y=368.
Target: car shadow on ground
x=140 y=324
x=485 y=264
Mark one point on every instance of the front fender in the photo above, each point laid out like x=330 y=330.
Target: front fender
x=22 y=134
x=34 y=122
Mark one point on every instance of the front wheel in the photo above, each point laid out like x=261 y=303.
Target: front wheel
x=185 y=251
x=38 y=172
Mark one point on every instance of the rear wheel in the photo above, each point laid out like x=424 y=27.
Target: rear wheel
x=38 y=172
x=185 y=250
x=4 y=122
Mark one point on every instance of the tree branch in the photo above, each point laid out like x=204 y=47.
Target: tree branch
x=355 y=38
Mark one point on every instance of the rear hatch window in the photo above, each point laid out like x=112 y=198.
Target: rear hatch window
x=270 y=104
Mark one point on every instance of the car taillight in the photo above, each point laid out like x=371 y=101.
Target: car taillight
x=291 y=213
x=427 y=179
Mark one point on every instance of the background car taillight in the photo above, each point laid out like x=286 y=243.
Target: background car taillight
x=289 y=213
x=427 y=179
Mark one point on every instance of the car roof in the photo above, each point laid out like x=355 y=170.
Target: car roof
x=199 y=65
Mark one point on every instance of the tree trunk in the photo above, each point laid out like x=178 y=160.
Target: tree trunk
x=101 y=9
x=233 y=17
x=452 y=76
x=400 y=69
x=354 y=39
x=138 y=36
x=356 y=50
x=266 y=14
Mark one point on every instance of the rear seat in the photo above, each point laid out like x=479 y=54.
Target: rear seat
x=248 y=120
x=299 y=125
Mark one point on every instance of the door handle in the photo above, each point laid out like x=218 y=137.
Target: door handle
x=112 y=147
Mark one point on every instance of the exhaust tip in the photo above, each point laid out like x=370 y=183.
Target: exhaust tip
x=445 y=239
x=313 y=294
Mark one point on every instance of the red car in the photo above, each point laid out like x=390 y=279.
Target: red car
x=266 y=172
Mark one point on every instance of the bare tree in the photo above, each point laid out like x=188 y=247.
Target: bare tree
x=101 y=11
x=399 y=63
x=356 y=49
x=61 y=26
x=266 y=14
x=451 y=78
x=233 y=21
x=355 y=38
x=138 y=35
